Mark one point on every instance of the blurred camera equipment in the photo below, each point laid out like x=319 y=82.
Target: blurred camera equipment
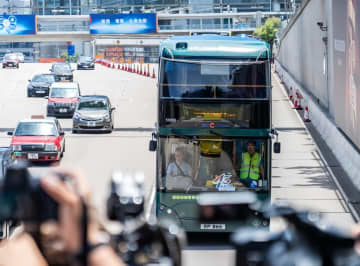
x=140 y=242
x=23 y=199
x=307 y=240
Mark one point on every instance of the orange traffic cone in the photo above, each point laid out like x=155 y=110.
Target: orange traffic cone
x=153 y=74
x=291 y=93
x=306 y=114
x=297 y=102
x=148 y=72
x=144 y=74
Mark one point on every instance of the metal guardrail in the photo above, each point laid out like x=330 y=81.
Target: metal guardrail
x=206 y=27
x=63 y=28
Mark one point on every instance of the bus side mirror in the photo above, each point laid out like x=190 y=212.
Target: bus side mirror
x=277 y=147
x=152 y=145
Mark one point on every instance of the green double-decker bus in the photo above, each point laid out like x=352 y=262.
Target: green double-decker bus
x=214 y=129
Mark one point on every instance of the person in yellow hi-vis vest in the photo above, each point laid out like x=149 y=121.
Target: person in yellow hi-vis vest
x=251 y=169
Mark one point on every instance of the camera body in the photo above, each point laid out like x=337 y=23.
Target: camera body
x=140 y=242
x=23 y=199
x=126 y=200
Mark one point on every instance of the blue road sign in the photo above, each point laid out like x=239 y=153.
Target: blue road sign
x=71 y=50
x=123 y=23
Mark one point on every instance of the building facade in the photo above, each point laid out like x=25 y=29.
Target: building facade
x=174 y=17
x=85 y=7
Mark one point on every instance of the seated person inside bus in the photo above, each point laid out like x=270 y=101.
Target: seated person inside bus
x=178 y=167
x=179 y=172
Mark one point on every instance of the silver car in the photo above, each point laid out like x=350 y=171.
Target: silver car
x=93 y=113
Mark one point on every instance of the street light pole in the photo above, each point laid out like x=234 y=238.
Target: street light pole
x=9 y=8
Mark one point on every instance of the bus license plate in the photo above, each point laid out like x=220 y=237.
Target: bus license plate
x=212 y=227
x=63 y=110
x=33 y=156
x=91 y=124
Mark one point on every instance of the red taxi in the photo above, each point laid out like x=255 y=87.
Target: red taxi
x=10 y=60
x=38 y=140
x=63 y=98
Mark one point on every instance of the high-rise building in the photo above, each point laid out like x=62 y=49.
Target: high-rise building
x=84 y=7
x=15 y=7
x=174 y=16
x=63 y=7
x=197 y=6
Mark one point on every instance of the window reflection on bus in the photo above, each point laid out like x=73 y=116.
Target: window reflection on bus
x=213 y=164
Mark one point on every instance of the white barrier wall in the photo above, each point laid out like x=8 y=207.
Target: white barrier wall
x=319 y=55
x=345 y=152
x=303 y=51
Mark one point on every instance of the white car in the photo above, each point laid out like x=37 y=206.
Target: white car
x=20 y=57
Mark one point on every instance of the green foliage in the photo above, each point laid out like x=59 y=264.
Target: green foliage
x=69 y=58
x=267 y=32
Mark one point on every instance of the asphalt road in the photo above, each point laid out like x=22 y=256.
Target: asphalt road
x=299 y=174
x=97 y=155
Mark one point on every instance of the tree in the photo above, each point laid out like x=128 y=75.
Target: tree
x=267 y=32
x=69 y=58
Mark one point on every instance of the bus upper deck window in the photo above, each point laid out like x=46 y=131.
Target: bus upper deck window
x=181 y=45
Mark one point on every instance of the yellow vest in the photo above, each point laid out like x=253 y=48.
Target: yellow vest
x=250 y=166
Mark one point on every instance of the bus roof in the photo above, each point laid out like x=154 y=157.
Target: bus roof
x=209 y=45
